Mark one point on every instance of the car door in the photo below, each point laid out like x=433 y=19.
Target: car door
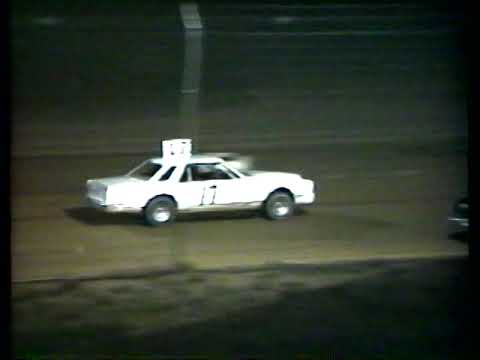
x=209 y=184
x=216 y=184
x=226 y=187
x=210 y=180
x=189 y=193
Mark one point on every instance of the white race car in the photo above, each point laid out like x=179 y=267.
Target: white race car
x=181 y=182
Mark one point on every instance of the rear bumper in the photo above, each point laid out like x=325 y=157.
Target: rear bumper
x=111 y=208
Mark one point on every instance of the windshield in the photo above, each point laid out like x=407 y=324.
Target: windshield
x=145 y=171
x=245 y=172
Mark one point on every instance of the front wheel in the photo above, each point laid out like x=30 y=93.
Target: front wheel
x=279 y=205
x=161 y=210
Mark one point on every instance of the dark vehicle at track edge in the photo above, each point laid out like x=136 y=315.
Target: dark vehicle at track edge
x=459 y=219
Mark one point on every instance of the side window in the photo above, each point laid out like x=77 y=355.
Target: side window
x=145 y=171
x=167 y=175
x=202 y=172
x=231 y=174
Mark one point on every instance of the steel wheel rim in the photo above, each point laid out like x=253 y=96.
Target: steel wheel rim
x=161 y=214
x=281 y=207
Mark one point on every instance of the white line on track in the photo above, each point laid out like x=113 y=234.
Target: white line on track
x=404 y=256
x=338 y=260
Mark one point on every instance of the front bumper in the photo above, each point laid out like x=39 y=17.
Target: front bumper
x=305 y=199
x=457 y=226
x=460 y=222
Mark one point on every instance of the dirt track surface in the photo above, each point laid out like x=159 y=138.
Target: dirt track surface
x=373 y=201
x=364 y=310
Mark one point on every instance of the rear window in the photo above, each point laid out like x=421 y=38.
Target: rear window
x=145 y=171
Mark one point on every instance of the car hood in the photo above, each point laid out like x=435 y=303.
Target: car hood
x=273 y=174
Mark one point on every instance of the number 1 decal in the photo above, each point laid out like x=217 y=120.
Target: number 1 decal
x=208 y=196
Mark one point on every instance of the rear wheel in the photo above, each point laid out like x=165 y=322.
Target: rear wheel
x=279 y=205
x=161 y=210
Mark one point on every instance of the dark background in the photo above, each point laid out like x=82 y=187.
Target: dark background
x=322 y=72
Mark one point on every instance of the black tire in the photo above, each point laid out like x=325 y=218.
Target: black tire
x=159 y=211
x=279 y=205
